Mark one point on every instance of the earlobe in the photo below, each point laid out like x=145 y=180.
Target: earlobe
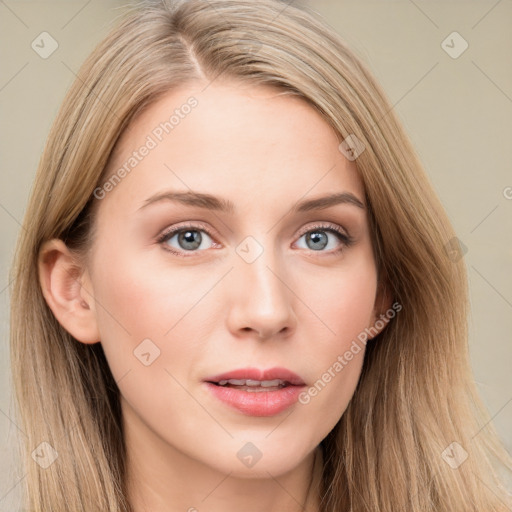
x=67 y=291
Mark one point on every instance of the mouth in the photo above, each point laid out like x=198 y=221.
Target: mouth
x=256 y=392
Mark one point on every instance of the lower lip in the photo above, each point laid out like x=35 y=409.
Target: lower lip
x=257 y=403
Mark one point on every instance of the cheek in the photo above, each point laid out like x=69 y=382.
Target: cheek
x=140 y=309
x=149 y=322
x=343 y=299
x=345 y=305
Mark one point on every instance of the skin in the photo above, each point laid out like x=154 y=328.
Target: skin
x=296 y=305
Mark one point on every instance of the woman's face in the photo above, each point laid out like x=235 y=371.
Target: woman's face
x=188 y=290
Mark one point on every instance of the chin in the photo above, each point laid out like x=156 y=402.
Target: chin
x=260 y=457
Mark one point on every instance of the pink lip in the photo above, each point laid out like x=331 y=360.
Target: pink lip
x=257 y=403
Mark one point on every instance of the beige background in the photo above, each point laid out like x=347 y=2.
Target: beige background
x=458 y=113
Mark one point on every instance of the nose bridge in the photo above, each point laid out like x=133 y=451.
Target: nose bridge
x=260 y=297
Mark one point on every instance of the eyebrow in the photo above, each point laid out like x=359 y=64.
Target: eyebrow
x=211 y=202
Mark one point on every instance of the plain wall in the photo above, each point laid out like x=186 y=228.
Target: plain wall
x=457 y=111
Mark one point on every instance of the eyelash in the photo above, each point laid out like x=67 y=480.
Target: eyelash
x=345 y=239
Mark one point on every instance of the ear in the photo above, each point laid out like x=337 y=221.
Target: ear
x=67 y=290
x=382 y=307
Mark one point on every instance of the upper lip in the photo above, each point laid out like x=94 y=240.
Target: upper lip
x=257 y=374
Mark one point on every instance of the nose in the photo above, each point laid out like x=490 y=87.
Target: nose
x=261 y=301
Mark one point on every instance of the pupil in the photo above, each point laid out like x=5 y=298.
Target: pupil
x=191 y=239
x=319 y=238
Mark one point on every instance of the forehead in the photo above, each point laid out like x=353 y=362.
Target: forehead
x=235 y=140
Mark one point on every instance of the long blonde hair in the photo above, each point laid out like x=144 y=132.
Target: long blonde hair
x=416 y=394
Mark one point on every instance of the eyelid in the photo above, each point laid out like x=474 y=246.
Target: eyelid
x=326 y=226
x=200 y=226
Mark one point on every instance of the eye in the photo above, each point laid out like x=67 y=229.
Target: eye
x=317 y=239
x=190 y=238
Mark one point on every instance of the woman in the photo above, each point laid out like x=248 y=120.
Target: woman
x=233 y=289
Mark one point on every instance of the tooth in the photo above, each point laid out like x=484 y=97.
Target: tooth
x=270 y=383
x=253 y=383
